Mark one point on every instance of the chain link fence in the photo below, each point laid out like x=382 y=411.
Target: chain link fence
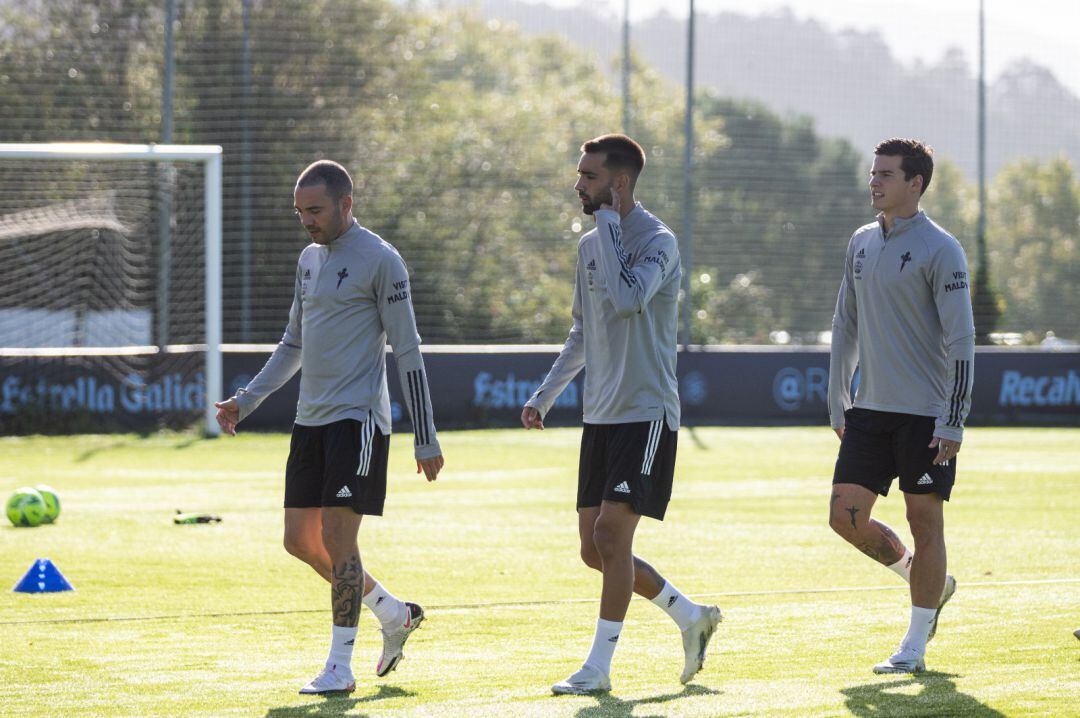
x=461 y=126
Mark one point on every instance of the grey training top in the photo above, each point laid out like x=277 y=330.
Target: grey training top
x=904 y=315
x=625 y=313
x=351 y=295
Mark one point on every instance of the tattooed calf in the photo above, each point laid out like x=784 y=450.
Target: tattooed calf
x=346 y=590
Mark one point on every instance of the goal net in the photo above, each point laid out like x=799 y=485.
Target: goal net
x=110 y=286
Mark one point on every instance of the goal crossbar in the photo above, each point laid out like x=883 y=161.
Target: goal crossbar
x=210 y=156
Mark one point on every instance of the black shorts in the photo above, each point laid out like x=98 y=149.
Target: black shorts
x=339 y=464
x=629 y=463
x=878 y=446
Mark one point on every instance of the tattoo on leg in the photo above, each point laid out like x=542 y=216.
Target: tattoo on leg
x=644 y=567
x=852 y=510
x=869 y=550
x=346 y=588
x=891 y=548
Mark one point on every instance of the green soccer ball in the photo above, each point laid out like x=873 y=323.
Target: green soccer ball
x=26 y=507
x=52 y=502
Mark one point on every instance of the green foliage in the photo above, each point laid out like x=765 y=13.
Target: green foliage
x=739 y=311
x=73 y=70
x=463 y=134
x=481 y=159
x=777 y=206
x=1034 y=239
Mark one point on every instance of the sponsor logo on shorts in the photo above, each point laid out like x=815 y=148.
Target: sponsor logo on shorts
x=924 y=480
x=344 y=493
x=622 y=488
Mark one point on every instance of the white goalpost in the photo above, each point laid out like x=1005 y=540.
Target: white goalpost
x=65 y=217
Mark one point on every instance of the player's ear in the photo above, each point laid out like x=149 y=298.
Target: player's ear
x=346 y=204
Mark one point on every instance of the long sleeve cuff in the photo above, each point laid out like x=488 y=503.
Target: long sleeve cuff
x=959 y=379
x=414 y=387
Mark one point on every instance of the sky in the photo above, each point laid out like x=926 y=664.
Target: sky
x=1041 y=30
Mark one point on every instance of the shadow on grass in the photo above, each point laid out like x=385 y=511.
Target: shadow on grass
x=337 y=704
x=608 y=706
x=696 y=439
x=938 y=697
x=91 y=453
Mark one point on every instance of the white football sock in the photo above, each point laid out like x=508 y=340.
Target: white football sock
x=341 y=645
x=681 y=609
x=603 y=645
x=389 y=610
x=918 y=630
x=902 y=568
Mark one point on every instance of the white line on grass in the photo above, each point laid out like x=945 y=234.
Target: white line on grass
x=529 y=604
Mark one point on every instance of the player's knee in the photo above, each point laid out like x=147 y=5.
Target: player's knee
x=590 y=556
x=840 y=522
x=926 y=528
x=607 y=540
x=297 y=546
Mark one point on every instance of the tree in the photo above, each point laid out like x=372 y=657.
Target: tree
x=777 y=206
x=1034 y=238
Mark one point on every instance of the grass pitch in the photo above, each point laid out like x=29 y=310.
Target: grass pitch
x=216 y=620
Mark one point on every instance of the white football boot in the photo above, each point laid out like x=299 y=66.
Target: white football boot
x=394 y=640
x=695 y=640
x=587 y=680
x=333 y=679
x=904 y=660
x=946 y=594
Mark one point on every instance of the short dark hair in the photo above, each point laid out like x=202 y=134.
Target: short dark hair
x=334 y=176
x=916 y=158
x=622 y=153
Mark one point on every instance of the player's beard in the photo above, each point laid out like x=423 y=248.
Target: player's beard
x=592 y=204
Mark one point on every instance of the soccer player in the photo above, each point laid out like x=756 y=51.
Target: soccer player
x=351 y=294
x=904 y=317
x=624 y=334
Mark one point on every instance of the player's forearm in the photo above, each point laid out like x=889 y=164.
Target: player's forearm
x=279 y=368
x=414 y=387
x=570 y=362
x=959 y=379
x=843 y=358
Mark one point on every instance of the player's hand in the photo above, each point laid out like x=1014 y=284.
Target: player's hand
x=531 y=419
x=946 y=449
x=615 y=204
x=430 y=467
x=228 y=415
x=839 y=433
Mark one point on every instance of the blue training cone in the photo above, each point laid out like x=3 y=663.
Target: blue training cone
x=43 y=577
